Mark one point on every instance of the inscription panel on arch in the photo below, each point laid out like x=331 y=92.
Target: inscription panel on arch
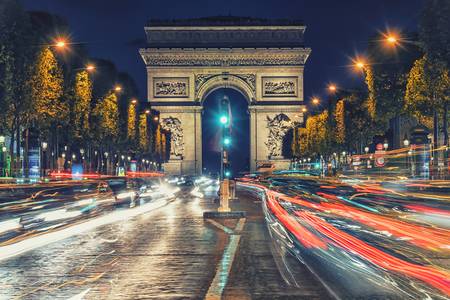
x=280 y=86
x=170 y=87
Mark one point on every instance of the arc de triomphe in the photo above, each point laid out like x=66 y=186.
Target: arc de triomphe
x=188 y=59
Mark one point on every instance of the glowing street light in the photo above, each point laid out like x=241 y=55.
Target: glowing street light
x=90 y=68
x=304 y=109
x=117 y=88
x=315 y=100
x=134 y=101
x=391 y=39
x=332 y=88
x=147 y=111
x=60 y=44
x=155 y=118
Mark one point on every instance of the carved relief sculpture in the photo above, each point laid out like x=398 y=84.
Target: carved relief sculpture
x=171 y=87
x=278 y=127
x=279 y=86
x=176 y=140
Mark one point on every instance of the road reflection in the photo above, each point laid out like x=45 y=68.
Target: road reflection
x=34 y=215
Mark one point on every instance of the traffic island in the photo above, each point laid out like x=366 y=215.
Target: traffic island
x=224 y=214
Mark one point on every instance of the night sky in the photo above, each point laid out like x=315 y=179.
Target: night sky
x=336 y=30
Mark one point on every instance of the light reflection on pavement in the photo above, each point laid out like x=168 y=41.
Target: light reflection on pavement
x=164 y=252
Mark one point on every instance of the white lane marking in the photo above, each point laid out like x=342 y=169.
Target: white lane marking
x=220 y=280
x=220 y=226
x=80 y=296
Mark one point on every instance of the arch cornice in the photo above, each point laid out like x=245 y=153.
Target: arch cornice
x=207 y=83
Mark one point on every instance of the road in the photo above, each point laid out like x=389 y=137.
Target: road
x=363 y=239
x=164 y=251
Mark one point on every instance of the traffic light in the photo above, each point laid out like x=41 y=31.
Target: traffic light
x=226 y=141
x=226 y=170
x=224 y=120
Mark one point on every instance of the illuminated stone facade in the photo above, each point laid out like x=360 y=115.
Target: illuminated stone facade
x=186 y=60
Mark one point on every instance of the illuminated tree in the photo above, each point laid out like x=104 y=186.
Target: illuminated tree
x=427 y=91
x=386 y=80
x=131 y=122
x=339 y=121
x=106 y=115
x=82 y=104
x=143 y=133
x=47 y=91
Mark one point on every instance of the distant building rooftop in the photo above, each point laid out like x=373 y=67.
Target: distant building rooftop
x=224 y=21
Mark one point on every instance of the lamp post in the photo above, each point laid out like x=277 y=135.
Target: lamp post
x=44 y=146
x=406 y=144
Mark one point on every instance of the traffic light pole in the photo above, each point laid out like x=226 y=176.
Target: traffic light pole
x=224 y=182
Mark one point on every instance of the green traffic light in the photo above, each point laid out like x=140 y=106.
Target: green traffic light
x=227 y=173
x=226 y=141
x=224 y=120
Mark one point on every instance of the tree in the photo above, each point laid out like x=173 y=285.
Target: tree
x=81 y=105
x=339 y=121
x=435 y=30
x=47 y=91
x=316 y=135
x=105 y=115
x=386 y=80
x=359 y=126
x=16 y=63
x=427 y=90
x=143 y=132
x=131 y=122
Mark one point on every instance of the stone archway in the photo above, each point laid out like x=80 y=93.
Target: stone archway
x=187 y=61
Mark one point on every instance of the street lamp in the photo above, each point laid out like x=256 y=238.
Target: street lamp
x=60 y=44
x=366 y=149
x=406 y=142
x=133 y=101
x=332 y=88
x=90 y=67
x=315 y=101
x=117 y=88
x=147 y=111
x=155 y=118
x=385 y=145
x=304 y=109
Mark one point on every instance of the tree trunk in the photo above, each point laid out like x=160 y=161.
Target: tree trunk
x=435 y=129
x=18 y=138
x=11 y=154
x=445 y=124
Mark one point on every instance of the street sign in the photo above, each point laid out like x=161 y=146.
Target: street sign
x=379 y=161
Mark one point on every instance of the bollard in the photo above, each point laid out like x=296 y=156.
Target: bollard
x=224 y=196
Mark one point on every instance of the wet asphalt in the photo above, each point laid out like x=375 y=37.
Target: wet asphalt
x=168 y=253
